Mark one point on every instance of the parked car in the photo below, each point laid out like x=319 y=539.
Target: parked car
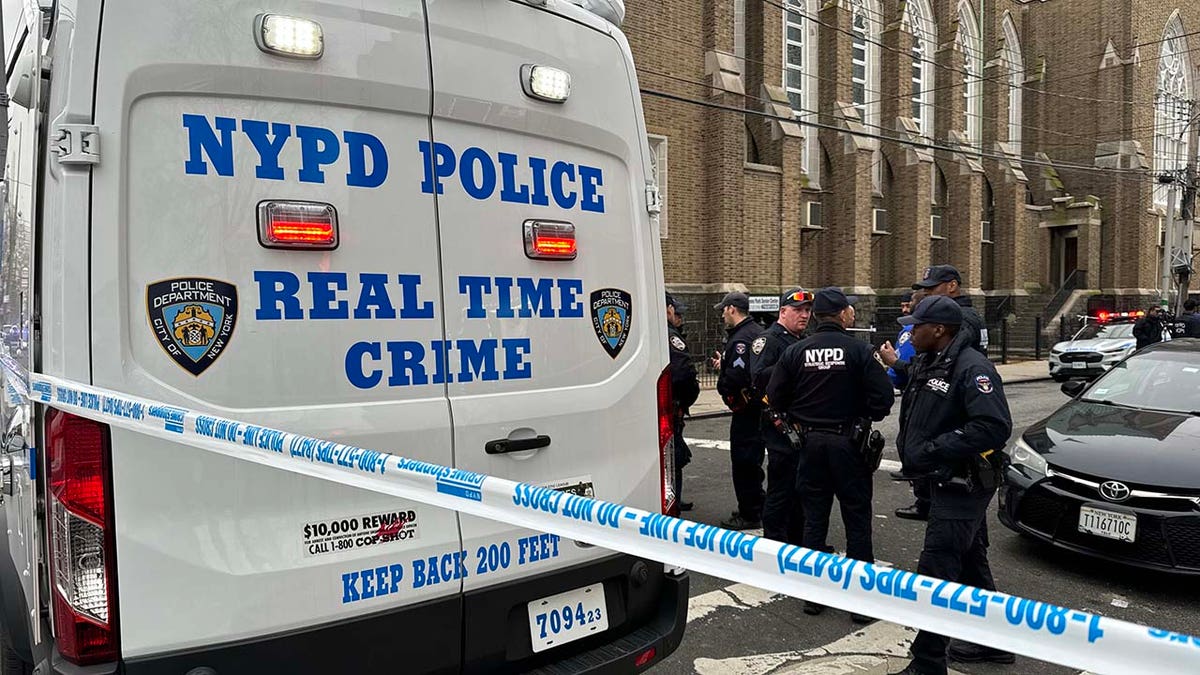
x=1102 y=342
x=1115 y=472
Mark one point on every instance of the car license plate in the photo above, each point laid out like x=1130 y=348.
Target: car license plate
x=1108 y=524
x=1079 y=365
x=567 y=617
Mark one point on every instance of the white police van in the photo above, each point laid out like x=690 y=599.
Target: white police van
x=418 y=227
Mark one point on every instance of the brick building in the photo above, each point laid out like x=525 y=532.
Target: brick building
x=855 y=142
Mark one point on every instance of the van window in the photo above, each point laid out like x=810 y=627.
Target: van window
x=16 y=227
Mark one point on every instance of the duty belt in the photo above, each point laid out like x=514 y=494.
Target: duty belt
x=841 y=429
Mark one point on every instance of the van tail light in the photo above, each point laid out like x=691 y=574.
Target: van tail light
x=82 y=538
x=666 y=443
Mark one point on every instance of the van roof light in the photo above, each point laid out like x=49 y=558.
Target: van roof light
x=545 y=83
x=289 y=36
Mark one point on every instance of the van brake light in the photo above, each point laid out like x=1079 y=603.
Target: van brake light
x=301 y=225
x=666 y=443
x=82 y=538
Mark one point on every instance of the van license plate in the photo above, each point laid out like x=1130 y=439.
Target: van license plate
x=567 y=617
x=1108 y=524
x=1079 y=365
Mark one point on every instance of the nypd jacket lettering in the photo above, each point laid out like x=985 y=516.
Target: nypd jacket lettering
x=830 y=378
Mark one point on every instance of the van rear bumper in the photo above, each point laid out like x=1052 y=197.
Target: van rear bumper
x=485 y=631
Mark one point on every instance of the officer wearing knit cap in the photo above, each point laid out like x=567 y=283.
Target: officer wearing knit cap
x=783 y=512
x=831 y=388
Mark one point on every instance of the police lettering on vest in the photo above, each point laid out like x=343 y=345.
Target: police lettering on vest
x=825 y=358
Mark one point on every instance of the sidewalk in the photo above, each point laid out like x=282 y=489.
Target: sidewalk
x=710 y=405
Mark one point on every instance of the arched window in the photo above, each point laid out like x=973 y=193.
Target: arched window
x=924 y=32
x=865 y=26
x=800 y=74
x=972 y=49
x=1171 y=107
x=1015 y=62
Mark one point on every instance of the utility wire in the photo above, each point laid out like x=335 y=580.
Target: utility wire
x=1088 y=140
x=1133 y=175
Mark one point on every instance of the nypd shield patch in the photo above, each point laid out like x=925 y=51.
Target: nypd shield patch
x=193 y=319
x=758 y=345
x=612 y=314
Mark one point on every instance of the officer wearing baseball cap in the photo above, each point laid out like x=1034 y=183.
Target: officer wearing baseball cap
x=685 y=389
x=945 y=280
x=831 y=388
x=736 y=389
x=954 y=424
x=783 y=512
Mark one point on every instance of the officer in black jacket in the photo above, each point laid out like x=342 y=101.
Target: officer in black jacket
x=954 y=423
x=832 y=388
x=945 y=280
x=938 y=280
x=783 y=511
x=734 y=386
x=685 y=389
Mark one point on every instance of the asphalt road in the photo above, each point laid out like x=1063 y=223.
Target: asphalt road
x=745 y=631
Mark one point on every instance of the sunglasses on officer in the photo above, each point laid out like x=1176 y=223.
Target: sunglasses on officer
x=801 y=296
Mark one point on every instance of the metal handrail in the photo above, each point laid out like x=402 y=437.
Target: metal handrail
x=1074 y=281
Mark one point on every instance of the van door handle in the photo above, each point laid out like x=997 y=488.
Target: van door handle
x=503 y=445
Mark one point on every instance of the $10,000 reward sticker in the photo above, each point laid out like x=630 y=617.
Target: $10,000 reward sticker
x=352 y=533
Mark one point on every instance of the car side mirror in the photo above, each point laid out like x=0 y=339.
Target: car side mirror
x=1073 y=388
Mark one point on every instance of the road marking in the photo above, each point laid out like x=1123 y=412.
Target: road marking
x=709 y=444
x=737 y=596
x=863 y=651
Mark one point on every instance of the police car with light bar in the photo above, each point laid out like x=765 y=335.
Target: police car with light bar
x=424 y=228
x=1104 y=341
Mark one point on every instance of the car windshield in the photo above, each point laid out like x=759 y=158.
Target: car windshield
x=1105 y=331
x=1158 y=380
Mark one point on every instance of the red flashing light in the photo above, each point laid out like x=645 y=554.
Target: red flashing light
x=298 y=225
x=550 y=240
x=1103 y=316
x=288 y=232
x=557 y=247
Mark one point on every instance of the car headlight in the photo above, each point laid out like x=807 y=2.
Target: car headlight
x=1023 y=455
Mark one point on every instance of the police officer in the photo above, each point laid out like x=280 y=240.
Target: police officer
x=783 y=511
x=832 y=388
x=897 y=361
x=734 y=385
x=1190 y=319
x=685 y=389
x=945 y=280
x=954 y=423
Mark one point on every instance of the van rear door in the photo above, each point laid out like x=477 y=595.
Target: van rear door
x=559 y=356
x=201 y=130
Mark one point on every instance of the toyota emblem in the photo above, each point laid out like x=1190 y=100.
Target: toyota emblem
x=1114 y=491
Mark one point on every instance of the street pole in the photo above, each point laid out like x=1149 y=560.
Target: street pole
x=1168 y=240
x=1187 y=215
